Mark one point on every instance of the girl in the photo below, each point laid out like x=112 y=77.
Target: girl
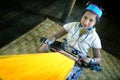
x=81 y=36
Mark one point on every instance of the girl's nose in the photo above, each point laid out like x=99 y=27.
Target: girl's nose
x=86 y=22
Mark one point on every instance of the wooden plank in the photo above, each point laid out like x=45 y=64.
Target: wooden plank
x=67 y=10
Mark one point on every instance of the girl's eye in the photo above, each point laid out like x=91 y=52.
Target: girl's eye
x=85 y=17
x=91 y=20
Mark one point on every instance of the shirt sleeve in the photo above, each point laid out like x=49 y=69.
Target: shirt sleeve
x=97 y=42
x=69 y=26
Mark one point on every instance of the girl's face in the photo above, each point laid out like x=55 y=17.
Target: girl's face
x=88 y=19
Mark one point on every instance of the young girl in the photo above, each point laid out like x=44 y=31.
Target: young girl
x=81 y=36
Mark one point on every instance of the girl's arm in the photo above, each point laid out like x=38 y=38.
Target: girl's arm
x=59 y=34
x=96 y=56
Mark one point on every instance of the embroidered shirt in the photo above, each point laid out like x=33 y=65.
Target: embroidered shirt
x=82 y=43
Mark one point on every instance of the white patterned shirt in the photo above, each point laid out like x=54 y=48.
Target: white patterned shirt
x=83 y=43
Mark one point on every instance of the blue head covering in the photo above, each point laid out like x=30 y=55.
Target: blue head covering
x=95 y=9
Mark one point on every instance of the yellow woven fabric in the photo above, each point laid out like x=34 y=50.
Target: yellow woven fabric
x=44 y=66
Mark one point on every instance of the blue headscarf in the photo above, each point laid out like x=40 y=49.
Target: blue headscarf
x=95 y=9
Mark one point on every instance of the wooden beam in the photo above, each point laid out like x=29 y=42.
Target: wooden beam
x=67 y=10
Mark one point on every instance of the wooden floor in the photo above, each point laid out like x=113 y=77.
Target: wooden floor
x=29 y=43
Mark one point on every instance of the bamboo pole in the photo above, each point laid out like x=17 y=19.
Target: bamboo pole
x=67 y=10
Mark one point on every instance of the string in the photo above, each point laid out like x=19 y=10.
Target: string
x=79 y=36
x=80 y=41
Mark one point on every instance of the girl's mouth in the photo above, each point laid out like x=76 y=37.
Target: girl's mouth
x=85 y=26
